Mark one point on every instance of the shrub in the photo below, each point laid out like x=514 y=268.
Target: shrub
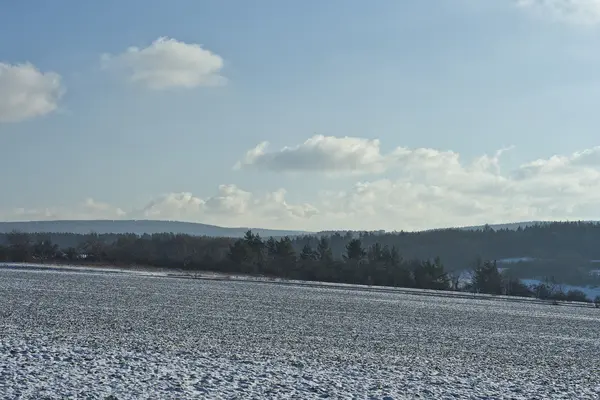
x=576 y=295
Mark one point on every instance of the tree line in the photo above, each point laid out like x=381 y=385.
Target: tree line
x=567 y=251
x=376 y=264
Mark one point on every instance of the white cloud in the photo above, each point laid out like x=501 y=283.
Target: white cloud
x=433 y=188
x=321 y=154
x=586 y=12
x=25 y=92
x=332 y=155
x=447 y=192
x=101 y=210
x=424 y=189
x=230 y=206
x=168 y=63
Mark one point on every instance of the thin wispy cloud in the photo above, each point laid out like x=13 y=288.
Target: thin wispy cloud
x=582 y=12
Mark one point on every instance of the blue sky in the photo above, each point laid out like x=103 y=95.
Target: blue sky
x=378 y=115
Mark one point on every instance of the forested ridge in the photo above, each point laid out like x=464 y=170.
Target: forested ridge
x=559 y=252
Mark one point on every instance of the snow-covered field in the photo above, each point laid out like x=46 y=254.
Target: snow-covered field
x=90 y=335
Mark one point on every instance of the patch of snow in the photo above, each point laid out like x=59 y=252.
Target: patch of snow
x=78 y=269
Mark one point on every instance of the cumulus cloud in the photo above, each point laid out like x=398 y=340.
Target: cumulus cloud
x=447 y=192
x=26 y=92
x=585 y=12
x=168 y=63
x=427 y=188
x=423 y=188
x=230 y=206
x=329 y=154
x=319 y=153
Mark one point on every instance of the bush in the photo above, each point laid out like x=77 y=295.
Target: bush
x=559 y=296
x=514 y=287
x=542 y=291
x=576 y=295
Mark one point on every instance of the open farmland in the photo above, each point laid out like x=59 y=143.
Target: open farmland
x=91 y=335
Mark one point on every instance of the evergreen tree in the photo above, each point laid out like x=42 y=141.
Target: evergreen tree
x=308 y=253
x=286 y=255
x=271 y=246
x=487 y=278
x=354 y=251
x=376 y=253
x=430 y=275
x=257 y=248
x=324 y=252
x=240 y=252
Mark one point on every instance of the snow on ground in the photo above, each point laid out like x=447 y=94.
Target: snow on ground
x=71 y=335
x=86 y=268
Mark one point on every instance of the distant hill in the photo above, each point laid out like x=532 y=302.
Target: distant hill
x=513 y=226
x=510 y=226
x=516 y=225
x=139 y=227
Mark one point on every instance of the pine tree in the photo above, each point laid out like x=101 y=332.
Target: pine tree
x=308 y=253
x=324 y=252
x=354 y=251
x=487 y=278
